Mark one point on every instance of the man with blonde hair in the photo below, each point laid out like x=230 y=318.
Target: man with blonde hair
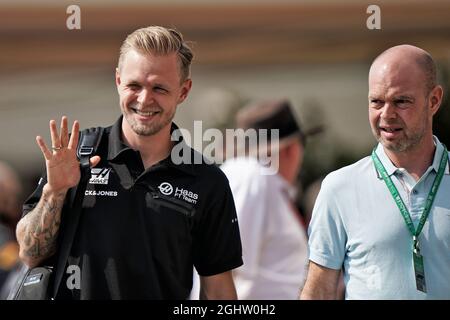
x=145 y=221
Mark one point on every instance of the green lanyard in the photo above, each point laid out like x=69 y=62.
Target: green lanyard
x=398 y=200
x=417 y=257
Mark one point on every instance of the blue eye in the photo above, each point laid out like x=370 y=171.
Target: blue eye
x=402 y=103
x=134 y=86
x=160 y=89
x=376 y=103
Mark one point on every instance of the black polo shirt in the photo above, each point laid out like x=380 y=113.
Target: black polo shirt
x=141 y=231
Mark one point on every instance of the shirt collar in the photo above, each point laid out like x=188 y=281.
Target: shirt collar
x=387 y=163
x=391 y=168
x=438 y=155
x=117 y=147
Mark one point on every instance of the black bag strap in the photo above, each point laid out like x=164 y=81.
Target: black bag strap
x=89 y=141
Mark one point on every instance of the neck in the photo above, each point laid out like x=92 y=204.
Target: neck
x=153 y=148
x=416 y=161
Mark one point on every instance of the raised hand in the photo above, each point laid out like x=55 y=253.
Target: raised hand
x=63 y=167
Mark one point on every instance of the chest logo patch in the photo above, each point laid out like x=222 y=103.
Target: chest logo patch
x=168 y=190
x=99 y=175
x=165 y=188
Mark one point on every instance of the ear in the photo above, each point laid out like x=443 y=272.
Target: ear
x=283 y=151
x=185 y=89
x=117 y=78
x=435 y=99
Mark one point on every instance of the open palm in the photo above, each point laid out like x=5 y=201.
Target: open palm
x=63 y=167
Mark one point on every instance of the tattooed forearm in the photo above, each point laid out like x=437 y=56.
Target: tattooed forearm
x=40 y=227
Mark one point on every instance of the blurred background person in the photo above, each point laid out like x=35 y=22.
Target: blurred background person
x=10 y=210
x=272 y=231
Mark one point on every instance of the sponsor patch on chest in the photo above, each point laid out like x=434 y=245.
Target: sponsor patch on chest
x=99 y=175
x=181 y=193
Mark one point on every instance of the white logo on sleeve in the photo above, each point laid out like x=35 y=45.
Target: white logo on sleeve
x=165 y=188
x=99 y=175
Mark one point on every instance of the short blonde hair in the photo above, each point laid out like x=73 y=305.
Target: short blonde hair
x=159 y=41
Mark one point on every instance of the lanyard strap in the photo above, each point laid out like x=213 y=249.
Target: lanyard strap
x=398 y=200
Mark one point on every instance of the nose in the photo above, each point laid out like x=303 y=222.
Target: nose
x=145 y=97
x=388 y=111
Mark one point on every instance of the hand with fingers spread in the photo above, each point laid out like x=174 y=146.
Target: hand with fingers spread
x=63 y=168
x=38 y=230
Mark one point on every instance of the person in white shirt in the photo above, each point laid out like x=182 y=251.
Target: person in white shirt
x=273 y=235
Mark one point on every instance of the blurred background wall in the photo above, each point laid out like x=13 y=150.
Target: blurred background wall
x=315 y=53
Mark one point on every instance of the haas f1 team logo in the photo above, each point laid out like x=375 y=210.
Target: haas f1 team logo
x=165 y=188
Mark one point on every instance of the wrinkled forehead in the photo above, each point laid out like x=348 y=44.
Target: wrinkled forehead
x=401 y=75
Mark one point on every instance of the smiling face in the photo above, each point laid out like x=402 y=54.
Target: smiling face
x=150 y=88
x=400 y=107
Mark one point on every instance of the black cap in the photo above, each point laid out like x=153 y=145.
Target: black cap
x=270 y=114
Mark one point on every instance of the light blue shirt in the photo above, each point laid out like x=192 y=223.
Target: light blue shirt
x=357 y=225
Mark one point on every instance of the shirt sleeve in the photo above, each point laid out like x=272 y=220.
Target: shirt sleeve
x=217 y=244
x=327 y=234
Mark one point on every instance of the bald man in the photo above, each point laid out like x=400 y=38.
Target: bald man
x=385 y=220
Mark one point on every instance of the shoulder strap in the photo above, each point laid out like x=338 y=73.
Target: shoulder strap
x=87 y=146
x=89 y=141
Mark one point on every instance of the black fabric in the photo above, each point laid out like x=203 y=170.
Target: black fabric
x=280 y=117
x=135 y=242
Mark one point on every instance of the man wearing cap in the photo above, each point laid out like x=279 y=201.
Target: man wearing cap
x=273 y=236
x=386 y=218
